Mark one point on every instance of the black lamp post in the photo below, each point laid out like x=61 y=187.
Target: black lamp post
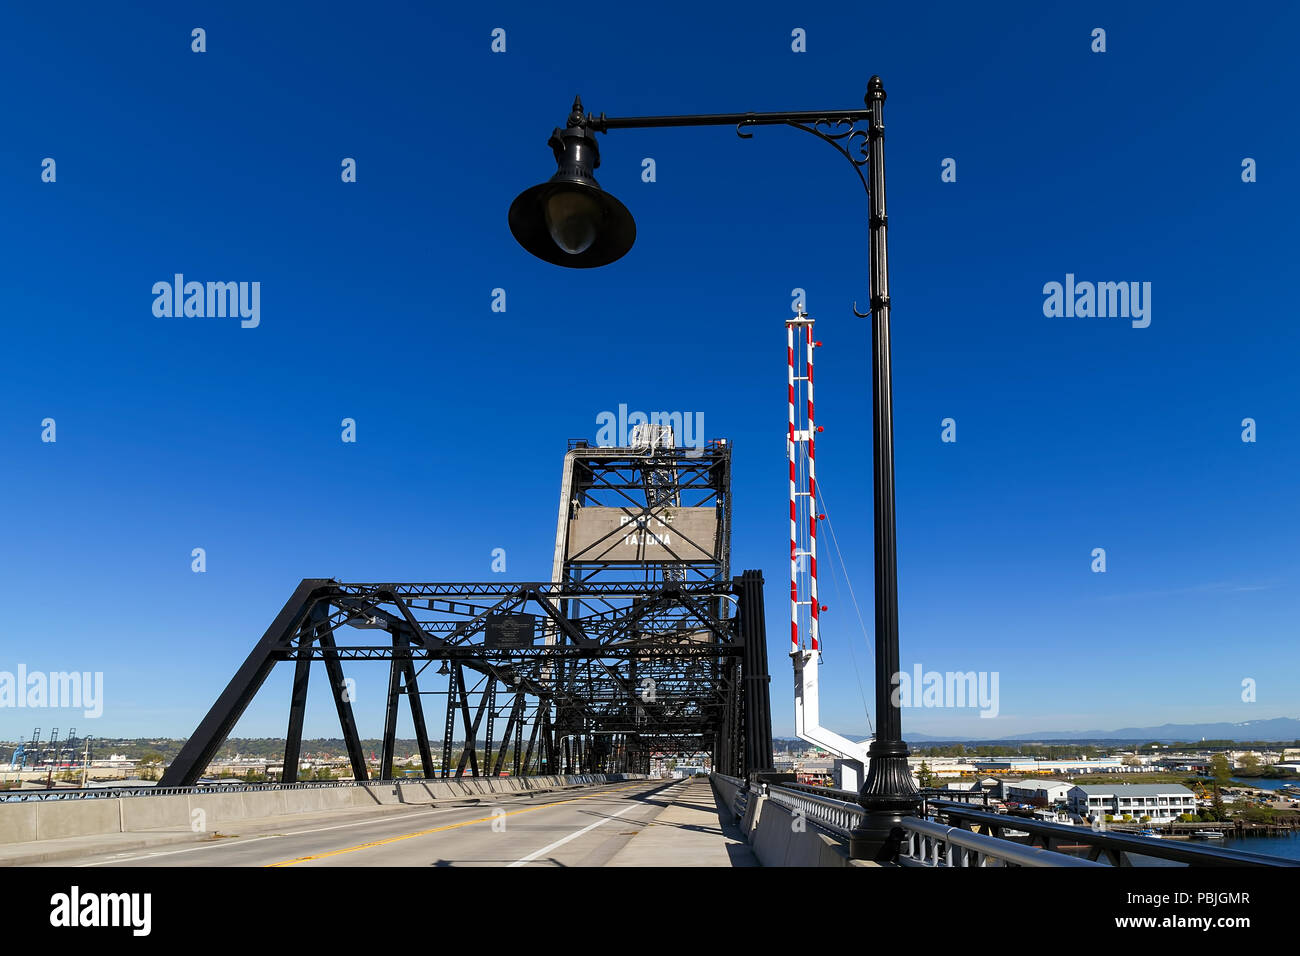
x=570 y=221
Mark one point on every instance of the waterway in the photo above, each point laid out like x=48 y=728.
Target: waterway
x=1286 y=846
x=1264 y=783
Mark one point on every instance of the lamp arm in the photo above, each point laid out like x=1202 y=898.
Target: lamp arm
x=837 y=127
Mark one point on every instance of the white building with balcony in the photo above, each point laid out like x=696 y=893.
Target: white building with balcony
x=1159 y=801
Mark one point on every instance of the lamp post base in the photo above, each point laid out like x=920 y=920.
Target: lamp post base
x=888 y=795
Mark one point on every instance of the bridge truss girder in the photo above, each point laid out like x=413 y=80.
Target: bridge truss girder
x=601 y=695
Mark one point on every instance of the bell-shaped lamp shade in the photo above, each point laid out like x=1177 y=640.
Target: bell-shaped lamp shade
x=569 y=220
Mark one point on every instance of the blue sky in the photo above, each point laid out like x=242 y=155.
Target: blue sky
x=1073 y=433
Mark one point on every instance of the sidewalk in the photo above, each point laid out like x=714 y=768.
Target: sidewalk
x=688 y=832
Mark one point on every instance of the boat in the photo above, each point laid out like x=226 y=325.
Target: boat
x=1150 y=833
x=1207 y=835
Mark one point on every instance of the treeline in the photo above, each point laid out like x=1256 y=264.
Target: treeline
x=273 y=747
x=1044 y=752
x=1071 y=751
x=1066 y=750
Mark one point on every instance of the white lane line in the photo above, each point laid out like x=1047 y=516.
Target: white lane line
x=586 y=829
x=114 y=861
x=573 y=836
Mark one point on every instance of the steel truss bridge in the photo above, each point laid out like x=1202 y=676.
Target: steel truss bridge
x=596 y=671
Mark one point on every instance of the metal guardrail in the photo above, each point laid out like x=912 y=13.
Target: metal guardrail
x=927 y=793
x=950 y=842
x=848 y=796
x=838 y=816
x=927 y=843
x=738 y=802
x=1116 y=848
x=846 y=801
x=113 y=793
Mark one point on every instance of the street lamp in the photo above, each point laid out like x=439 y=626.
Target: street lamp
x=570 y=221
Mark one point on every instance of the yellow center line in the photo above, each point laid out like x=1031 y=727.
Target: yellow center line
x=450 y=826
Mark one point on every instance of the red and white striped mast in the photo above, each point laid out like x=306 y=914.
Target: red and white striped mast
x=801 y=447
x=803 y=517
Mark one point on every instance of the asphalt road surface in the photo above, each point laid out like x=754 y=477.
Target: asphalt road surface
x=583 y=827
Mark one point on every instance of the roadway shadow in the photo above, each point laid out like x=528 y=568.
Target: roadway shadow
x=452 y=863
x=741 y=855
x=649 y=795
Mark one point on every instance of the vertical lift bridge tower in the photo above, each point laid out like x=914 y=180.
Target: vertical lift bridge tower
x=659 y=514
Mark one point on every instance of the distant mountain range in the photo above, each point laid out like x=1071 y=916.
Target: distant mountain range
x=1273 y=729
x=1276 y=728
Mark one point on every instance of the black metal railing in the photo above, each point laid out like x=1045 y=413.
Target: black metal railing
x=1117 y=849
x=955 y=833
x=924 y=843
x=113 y=793
x=106 y=793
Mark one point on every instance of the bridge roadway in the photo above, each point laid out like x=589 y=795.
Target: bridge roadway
x=592 y=826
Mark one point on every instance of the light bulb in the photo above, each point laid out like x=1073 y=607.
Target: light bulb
x=571 y=217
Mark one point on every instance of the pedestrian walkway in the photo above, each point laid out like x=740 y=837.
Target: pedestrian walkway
x=688 y=832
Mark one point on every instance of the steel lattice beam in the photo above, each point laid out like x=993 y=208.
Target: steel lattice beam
x=625 y=660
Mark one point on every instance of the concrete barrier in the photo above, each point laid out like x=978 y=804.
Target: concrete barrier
x=778 y=839
x=153 y=813
x=415 y=793
x=303 y=801
x=725 y=791
x=53 y=819
x=17 y=822
x=216 y=807
x=772 y=832
x=386 y=793
x=835 y=853
x=363 y=797
x=804 y=848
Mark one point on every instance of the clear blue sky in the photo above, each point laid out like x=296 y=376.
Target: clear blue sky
x=1073 y=433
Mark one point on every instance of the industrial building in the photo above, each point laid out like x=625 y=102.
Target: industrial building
x=1040 y=793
